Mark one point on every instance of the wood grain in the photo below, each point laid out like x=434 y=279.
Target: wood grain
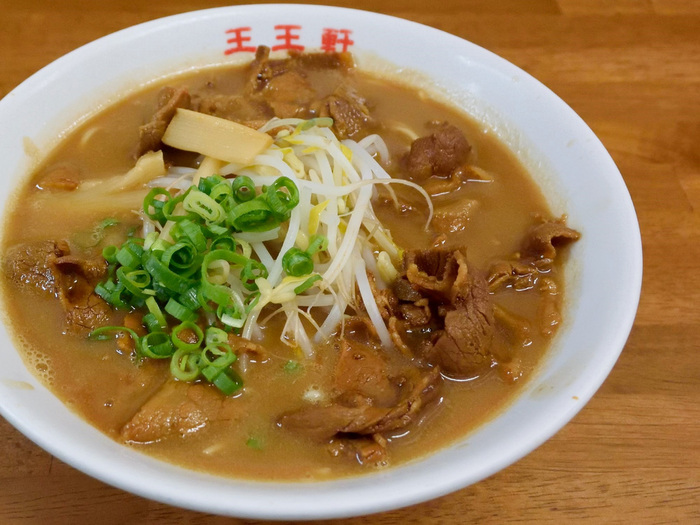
x=631 y=69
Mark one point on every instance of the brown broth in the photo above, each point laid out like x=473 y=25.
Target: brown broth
x=106 y=388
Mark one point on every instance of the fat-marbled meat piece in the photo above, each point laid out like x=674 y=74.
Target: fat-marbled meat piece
x=151 y=133
x=437 y=154
x=49 y=267
x=370 y=395
x=177 y=408
x=30 y=263
x=463 y=347
x=543 y=239
x=363 y=417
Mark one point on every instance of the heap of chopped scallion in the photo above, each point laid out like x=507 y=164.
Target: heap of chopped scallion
x=294 y=229
x=184 y=273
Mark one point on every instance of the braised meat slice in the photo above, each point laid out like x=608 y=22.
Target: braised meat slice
x=459 y=310
x=30 y=263
x=543 y=240
x=433 y=272
x=465 y=346
x=372 y=394
x=49 y=267
x=75 y=279
x=249 y=111
x=363 y=417
x=349 y=112
x=151 y=133
x=361 y=370
x=437 y=154
x=177 y=408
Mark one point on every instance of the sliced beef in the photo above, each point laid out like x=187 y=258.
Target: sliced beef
x=372 y=393
x=419 y=389
x=437 y=154
x=464 y=348
x=177 y=409
x=289 y=94
x=30 y=263
x=250 y=111
x=462 y=328
x=454 y=216
x=151 y=133
x=75 y=284
x=49 y=267
x=349 y=112
x=543 y=240
x=433 y=272
x=284 y=86
x=361 y=369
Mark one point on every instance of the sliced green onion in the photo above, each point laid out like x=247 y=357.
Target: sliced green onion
x=188 y=231
x=102 y=333
x=307 y=284
x=243 y=189
x=297 y=263
x=203 y=205
x=156 y=312
x=165 y=276
x=282 y=202
x=152 y=206
x=317 y=243
x=110 y=254
x=228 y=382
x=215 y=336
x=183 y=345
x=156 y=345
x=184 y=365
x=182 y=258
x=253 y=216
x=178 y=311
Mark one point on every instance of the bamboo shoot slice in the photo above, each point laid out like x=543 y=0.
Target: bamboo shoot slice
x=215 y=137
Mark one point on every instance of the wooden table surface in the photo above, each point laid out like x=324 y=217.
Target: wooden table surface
x=631 y=69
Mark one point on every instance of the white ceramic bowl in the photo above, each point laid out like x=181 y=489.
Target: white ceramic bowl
x=573 y=168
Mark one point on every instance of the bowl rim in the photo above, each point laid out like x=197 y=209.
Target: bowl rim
x=348 y=496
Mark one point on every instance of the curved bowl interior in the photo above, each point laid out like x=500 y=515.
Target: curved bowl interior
x=571 y=165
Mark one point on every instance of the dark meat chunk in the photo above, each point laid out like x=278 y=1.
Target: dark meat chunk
x=325 y=422
x=404 y=291
x=438 y=154
x=75 y=283
x=370 y=394
x=49 y=267
x=348 y=111
x=284 y=87
x=151 y=133
x=362 y=370
x=177 y=408
x=30 y=263
x=544 y=239
x=464 y=348
x=415 y=315
x=337 y=418
x=289 y=94
x=433 y=272
x=251 y=111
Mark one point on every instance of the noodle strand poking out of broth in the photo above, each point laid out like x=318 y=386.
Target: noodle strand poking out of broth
x=286 y=270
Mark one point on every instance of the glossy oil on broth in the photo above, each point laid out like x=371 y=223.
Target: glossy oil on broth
x=105 y=387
